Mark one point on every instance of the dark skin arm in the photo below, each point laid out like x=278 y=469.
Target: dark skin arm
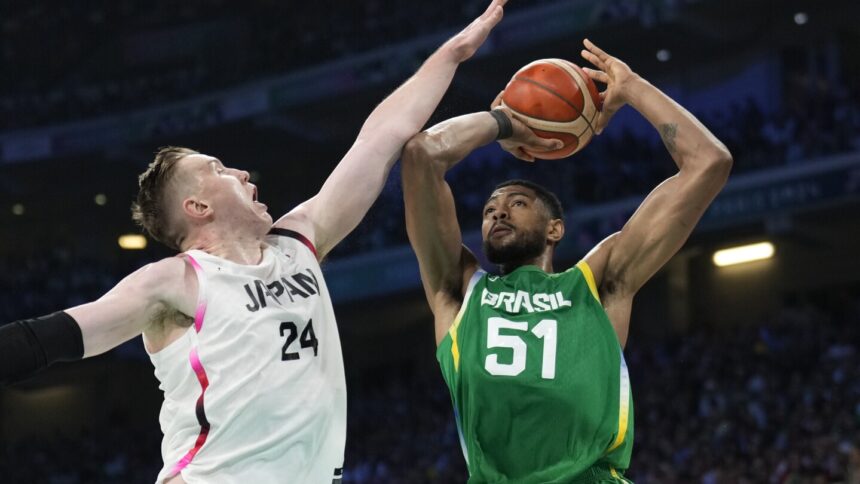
x=431 y=219
x=658 y=229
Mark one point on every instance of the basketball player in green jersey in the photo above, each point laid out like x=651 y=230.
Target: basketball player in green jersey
x=533 y=357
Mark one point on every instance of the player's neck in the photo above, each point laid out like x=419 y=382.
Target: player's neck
x=237 y=246
x=543 y=261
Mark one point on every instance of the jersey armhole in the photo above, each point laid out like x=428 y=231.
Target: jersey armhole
x=199 y=371
x=472 y=282
x=452 y=331
x=585 y=269
x=200 y=307
x=295 y=235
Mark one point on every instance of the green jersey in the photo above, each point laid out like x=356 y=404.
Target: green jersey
x=538 y=380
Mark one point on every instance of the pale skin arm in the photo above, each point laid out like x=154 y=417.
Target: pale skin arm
x=431 y=219
x=626 y=260
x=358 y=179
x=133 y=305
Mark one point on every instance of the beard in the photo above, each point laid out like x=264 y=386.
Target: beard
x=524 y=247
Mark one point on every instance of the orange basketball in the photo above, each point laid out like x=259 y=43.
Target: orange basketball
x=557 y=100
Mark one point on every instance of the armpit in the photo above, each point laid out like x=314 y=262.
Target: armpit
x=166 y=319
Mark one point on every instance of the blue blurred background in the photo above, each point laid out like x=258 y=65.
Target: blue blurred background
x=745 y=374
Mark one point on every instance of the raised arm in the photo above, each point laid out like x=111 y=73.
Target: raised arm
x=665 y=219
x=431 y=218
x=90 y=329
x=356 y=182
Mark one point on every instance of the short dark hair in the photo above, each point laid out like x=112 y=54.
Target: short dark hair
x=150 y=209
x=550 y=201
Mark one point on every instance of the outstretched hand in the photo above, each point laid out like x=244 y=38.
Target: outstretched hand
x=617 y=76
x=466 y=43
x=524 y=143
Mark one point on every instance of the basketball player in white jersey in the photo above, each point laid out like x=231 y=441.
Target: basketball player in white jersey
x=240 y=325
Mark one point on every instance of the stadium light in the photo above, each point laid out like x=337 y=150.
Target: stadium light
x=743 y=253
x=132 y=242
x=800 y=18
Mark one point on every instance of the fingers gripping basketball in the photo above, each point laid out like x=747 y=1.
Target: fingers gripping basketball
x=556 y=99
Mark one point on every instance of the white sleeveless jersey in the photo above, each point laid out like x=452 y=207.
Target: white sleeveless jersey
x=255 y=391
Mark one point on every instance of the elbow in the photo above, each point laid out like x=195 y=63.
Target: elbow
x=417 y=148
x=722 y=163
x=718 y=164
x=421 y=153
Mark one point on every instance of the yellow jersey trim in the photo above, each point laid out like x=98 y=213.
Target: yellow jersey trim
x=616 y=475
x=623 y=406
x=455 y=349
x=589 y=278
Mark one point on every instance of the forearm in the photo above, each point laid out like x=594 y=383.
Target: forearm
x=449 y=142
x=30 y=345
x=690 y=143
x=358 y=179
x=405 y=111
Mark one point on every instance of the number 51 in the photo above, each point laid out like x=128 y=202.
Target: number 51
x=545 y=330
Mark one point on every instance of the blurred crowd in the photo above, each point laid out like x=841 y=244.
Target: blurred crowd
x=104 y=455
x=776 y=402
x=74 y=60
x=38 y=285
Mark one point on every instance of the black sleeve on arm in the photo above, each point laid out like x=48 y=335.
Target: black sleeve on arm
x=30 y=345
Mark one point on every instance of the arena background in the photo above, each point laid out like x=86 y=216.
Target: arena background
x=746 y=373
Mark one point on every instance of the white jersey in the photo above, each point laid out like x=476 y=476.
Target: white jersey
x=255 y=391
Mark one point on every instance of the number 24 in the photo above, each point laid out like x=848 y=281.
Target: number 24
x=307 y=340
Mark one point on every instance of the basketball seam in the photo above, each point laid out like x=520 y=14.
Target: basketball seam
x=580 y=77
x=556 y=94
x=541 y=119
x=553 y=126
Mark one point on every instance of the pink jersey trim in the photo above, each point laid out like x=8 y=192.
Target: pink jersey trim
x=201 y=297
x=197 y=366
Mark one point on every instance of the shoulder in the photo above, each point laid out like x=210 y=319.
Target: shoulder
x=597 y=263
x=161 y=271
x=166 y=280
x=285 y=238
x=296 y=225
x=299 y=219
